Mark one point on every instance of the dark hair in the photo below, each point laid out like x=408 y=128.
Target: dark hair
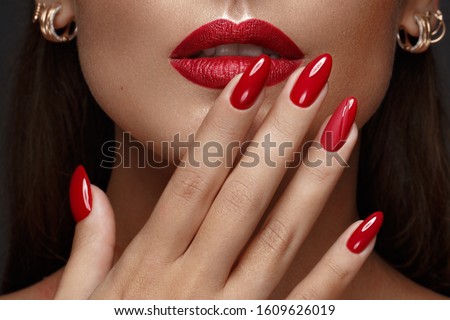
x=404 y=171
x=56 y=125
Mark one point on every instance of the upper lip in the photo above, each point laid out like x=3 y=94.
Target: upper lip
x=253 y=31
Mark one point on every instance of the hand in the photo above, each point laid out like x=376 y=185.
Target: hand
x=197 y=243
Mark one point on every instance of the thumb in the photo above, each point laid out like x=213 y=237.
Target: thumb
x=94 y=241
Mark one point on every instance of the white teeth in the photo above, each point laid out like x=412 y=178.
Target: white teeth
x=236 y=49
x=209 y=52
x=249 y=50
x=227 y=50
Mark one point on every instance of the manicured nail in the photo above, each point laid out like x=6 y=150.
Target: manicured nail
x=338 y=128
x=251 y=83
x=365 y=233
x=311 y=81
x=80 y=194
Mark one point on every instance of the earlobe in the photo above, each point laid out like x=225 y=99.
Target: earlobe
x=429 y=28
x=416 y=8
x=65 y=16
x=56 y=20
x=410 y=26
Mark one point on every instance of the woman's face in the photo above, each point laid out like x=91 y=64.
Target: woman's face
x=125 y=49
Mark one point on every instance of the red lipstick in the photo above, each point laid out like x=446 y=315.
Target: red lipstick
x=215 y=72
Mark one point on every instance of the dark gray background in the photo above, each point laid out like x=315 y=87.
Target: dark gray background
x=14 y=13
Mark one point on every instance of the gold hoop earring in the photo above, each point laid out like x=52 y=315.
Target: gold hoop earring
x=439 y=32
x=426 y=35
x=46 y=17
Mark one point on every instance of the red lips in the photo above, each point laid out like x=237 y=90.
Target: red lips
x=216 y=72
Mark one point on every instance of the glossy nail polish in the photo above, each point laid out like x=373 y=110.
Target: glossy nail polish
x=338 y=128
x=311 y=81
x=251 y=83
x=80 y=194
x=365 y=233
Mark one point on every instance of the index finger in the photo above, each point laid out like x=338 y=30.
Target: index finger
x=192 y=188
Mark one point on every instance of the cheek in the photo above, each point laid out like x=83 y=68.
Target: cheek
x=124 y=48
x=362 y=42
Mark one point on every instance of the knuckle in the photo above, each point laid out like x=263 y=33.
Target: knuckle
x=240 y=196
x=283 y=126
x=337 y=271
x=318 y=174
x=222 y=127
x=190 y=186
x=89 y=242
x=308 y=294
x=275 y=236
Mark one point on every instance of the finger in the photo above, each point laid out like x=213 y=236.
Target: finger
x=93 y=245
x=188 y=195
x=341 y=263
x=272 y=250
x=249 y=189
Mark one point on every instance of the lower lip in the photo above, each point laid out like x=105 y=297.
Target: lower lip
x=215 y=73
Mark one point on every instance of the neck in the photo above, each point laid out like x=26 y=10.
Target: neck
x=134 y=203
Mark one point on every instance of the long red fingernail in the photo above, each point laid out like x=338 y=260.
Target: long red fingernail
x=365 y=233
x=311 y=81
x=80 y=194
x=251 y=83
x=338 y=128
